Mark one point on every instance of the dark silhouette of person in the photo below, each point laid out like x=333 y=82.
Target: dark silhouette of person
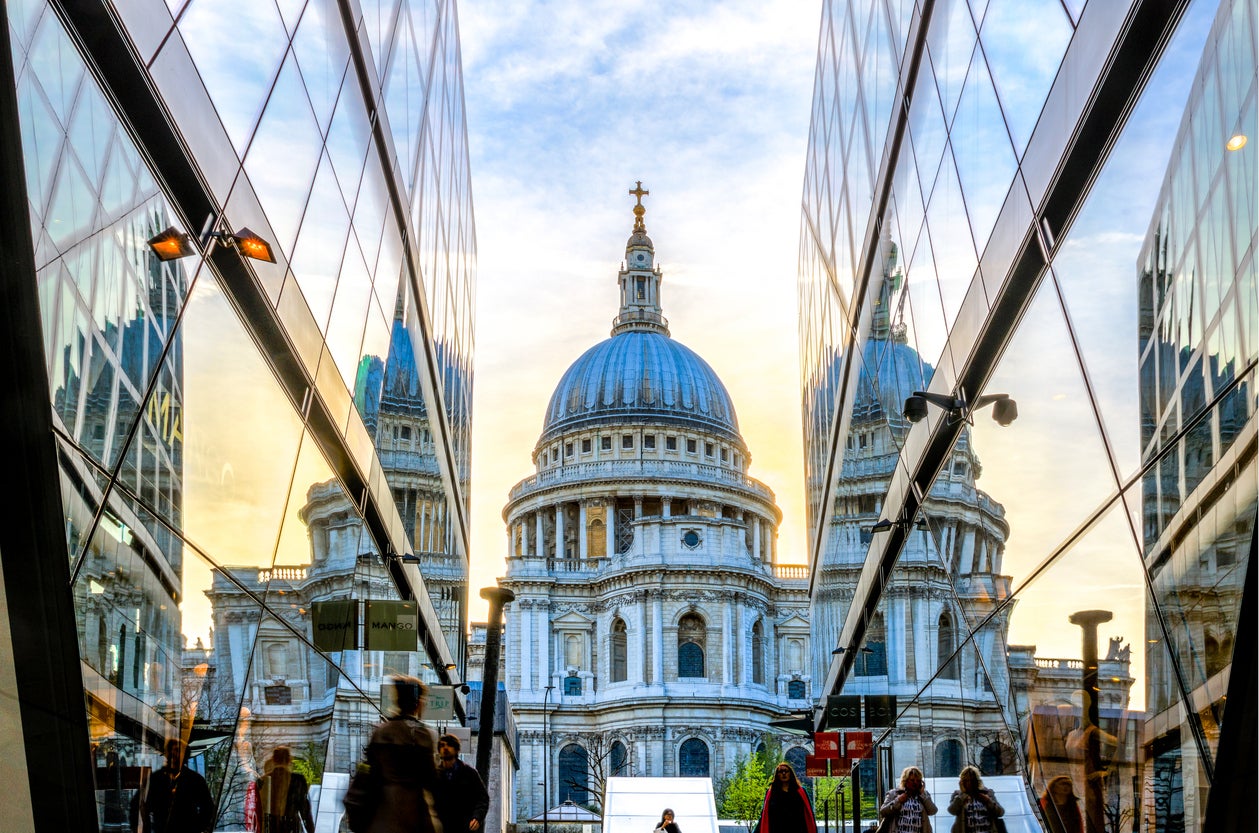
x=461 y=798
x=786 y=808
x=176 y=799
x=284 y=796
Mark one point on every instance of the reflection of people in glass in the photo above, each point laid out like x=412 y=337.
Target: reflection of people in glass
x=400 y=755
x=910 y=807
x=974 y=805
x=177 y=799
x=667 y=824
x=786 y=808
x=284 y=796
x=1060 y=807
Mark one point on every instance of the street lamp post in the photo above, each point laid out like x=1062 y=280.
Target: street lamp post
x=546 y=759
x=1088 y=620
x=497 y=597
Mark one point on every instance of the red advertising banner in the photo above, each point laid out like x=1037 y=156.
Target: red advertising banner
x=814 y=766
x=858 y=745
x=251 y=806
x=841 y=768
x=826 y=745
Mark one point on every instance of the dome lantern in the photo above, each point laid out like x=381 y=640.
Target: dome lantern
x=640 y=279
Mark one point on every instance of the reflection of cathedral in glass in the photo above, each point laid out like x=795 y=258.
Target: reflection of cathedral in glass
x=653 y=632
x=948 y=578
x=290 y=693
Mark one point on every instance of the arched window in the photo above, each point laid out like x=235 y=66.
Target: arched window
x=997 y=759
x=873 y=663
x=758 y=654
x=795 y=690
x=596 y=539
x=945 y=643
x=693 y=759
x=948 y=759
x=618 y=759
x=572 y=685
x=573 y=650
x=574 y=780
x=619 y=663
x=690 y=646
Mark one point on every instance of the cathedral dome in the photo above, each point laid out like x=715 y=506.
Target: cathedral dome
x=640 y=376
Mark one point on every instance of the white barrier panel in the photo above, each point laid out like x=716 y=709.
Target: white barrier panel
x=634 y=805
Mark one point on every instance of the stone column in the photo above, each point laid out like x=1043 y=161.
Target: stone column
x=756 y=537
x=582 y=552
x=559 y=532
x=522 y=636
x=539 y=548
x=637 y=671
x=609 y=528
x=924 y=651
x=638 y=507
x=657 y=640
x=666 y=507
x=727 y=643
x=544 y=641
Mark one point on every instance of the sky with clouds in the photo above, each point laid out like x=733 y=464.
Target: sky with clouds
x=568 y=105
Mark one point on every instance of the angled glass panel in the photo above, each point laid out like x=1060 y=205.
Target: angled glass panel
x=952 y=239
x=1023 y=47
x=321 y=244
x=283 y=155
x=237 y=71
x=322 y=56
x=981 y=149
x=950 y=42
x=349 y=312
x=348 y=138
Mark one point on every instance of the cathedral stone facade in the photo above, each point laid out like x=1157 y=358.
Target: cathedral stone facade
x=653 y=631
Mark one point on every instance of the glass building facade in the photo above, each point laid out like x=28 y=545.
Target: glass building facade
x=1042 y=215
x=214 y=453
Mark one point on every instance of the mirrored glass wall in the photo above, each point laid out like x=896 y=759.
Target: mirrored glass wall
x=253 y=454
x=1042 y=560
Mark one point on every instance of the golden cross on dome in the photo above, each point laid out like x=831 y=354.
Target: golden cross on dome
x=639 y=192
x=639 y=209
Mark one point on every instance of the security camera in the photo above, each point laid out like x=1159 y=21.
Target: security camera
x=915 y=408
x=1005 y=411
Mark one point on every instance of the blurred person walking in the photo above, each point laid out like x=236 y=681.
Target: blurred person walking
x=392 y=790
x=909 y=808
x=786 y=808
x=461 y=798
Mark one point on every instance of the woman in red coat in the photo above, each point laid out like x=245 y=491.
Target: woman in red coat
x=786 y=808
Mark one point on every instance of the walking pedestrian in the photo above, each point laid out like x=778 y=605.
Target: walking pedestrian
x=461 y=798
x=177 y=799
x=975 y=806
x=909 y=808
x=786 y=808
x=392 y=791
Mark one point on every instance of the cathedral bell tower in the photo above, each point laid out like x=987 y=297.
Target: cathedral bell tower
x=640 y=279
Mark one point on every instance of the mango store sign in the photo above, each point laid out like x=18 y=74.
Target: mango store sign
x=392 y=626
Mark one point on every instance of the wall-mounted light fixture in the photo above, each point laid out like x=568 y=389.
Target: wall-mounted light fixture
x=1004 y=409
x=904 y=523
x=172 y=244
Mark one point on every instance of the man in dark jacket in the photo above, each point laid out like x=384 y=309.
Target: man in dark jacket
x=461 y=799
x=177 y=800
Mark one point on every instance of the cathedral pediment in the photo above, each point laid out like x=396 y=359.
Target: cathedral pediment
x=572 y=619
x=794 y=622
